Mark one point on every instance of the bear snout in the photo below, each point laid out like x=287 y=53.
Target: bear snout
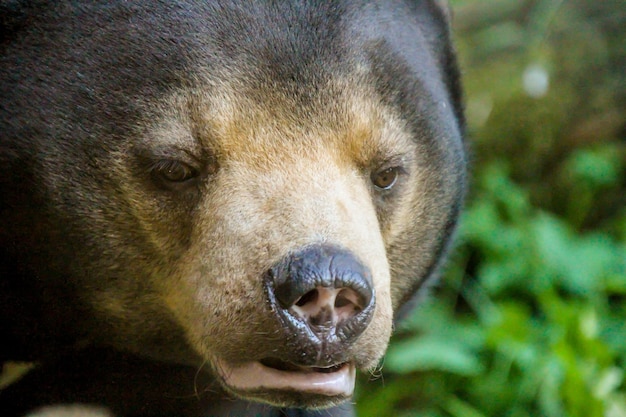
x=324 y=298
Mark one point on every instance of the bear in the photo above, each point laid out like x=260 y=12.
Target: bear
x=219 y=207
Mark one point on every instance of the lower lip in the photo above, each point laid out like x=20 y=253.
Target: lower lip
x=254 y=376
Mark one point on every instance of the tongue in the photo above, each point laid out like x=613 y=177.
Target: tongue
x=256 y=376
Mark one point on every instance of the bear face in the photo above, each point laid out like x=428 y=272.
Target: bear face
x=252 y=189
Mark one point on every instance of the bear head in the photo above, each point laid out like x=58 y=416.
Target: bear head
x=253 y=189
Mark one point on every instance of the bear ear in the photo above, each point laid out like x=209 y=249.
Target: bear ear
x=444 y=7
x=441 y=9
x=437 y=15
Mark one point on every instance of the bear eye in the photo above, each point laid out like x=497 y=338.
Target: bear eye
x=385 y=179
x=174 y=171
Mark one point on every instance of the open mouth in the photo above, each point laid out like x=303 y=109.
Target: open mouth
x=281 y=365
x=275 y=374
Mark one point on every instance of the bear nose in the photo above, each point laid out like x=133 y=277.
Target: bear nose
x=325 y=287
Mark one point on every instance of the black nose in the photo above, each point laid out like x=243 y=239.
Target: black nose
x=327 y=289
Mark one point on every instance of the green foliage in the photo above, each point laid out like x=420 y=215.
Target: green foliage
x=535 y=328
x=530 y=319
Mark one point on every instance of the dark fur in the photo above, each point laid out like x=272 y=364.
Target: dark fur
x=78 y=82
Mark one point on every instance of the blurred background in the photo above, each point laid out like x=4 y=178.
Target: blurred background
x=530 y=318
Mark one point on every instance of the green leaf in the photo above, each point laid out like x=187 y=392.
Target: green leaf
x=432 y=353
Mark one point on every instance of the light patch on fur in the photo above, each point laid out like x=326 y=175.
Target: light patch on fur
x=288 y=177
x=283 y=184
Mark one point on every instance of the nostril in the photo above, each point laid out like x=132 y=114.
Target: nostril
x=348 y=303
x=328 y=306
x=309 y=297
x=349 y=298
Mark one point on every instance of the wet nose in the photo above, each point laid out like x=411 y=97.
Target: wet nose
x=326 y=288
